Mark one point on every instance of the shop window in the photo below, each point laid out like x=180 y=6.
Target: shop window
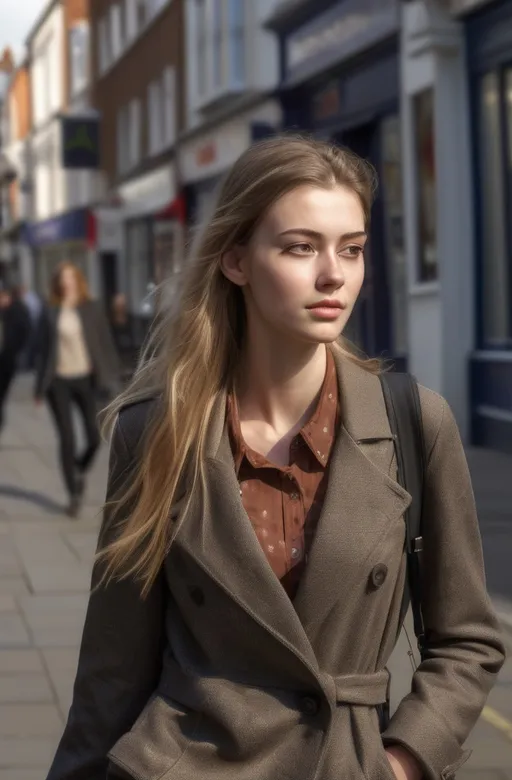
x=494 y=260
x=392 y=199
x=426 y=222
x=139 y=263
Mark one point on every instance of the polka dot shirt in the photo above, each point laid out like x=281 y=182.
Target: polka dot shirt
x=284 y=502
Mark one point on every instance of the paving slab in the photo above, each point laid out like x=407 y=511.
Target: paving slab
x=20 y=661
x=55 y=620
x=24 y=773
x=30 y=720
x=32 y=752
x=23 y=687
x=13 y=631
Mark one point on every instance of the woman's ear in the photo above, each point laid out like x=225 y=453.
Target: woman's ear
x=232 y=265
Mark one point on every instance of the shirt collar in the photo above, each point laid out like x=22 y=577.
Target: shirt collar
x=318 y=433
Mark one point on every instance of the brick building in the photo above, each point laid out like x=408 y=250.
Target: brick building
x=137 y=64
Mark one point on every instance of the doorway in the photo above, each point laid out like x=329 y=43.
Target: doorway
x=378 y=322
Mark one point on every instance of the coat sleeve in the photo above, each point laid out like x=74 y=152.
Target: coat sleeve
x=120 y=657
x=464 y=648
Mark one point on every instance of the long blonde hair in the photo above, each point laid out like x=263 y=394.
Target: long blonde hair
x=192 y=353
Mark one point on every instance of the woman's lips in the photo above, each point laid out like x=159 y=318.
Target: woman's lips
x=326 y=310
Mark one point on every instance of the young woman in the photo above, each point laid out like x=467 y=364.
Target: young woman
x=251 y=561
x=76 y=358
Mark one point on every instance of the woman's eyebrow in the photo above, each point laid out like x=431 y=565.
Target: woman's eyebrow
x=317 y=235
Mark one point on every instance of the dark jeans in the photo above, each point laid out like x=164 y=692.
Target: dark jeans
x=7 y=373
x=62 y=394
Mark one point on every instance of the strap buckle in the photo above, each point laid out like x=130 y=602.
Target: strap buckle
x=417 y=544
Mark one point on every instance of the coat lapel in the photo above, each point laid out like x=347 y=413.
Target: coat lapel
x=218 y=534
x=362 y=498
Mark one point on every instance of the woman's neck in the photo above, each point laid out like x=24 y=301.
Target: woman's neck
x=279 y=383
x=70 y=302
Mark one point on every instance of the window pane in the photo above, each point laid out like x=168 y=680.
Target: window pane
x=130 y=20
x=493 y=253
x=201 y=46
x=79 y=56
x=392 y=197
x=217 y=42
x=237 y=41
x=169 y=107
x=423 y=117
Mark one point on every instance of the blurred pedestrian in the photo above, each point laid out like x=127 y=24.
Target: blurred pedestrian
x=15 y=326
x=122 y=332
x=77 y=358
x=250 y=573
x=34 y=305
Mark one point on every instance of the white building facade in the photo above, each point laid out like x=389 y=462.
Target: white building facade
x=60 y=222
x=231 y=65
x=456 y=66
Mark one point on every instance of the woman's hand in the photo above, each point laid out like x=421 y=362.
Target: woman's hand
x=403 y=763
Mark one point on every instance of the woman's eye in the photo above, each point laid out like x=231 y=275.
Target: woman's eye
x=353 y=251
x=300 y=249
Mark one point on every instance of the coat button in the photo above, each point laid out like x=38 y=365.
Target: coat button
x=379 y=574
x=309 y=705
x=197 y=596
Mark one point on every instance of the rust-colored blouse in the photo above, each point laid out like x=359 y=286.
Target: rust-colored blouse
x=284 y=502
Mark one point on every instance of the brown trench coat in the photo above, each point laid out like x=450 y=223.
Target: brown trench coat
x=219 y=675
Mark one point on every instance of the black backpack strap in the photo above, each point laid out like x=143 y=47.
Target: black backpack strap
x=404 y=413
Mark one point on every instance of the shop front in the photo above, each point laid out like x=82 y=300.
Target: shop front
x=69 y=237
x=489 y=46
x=151 y=210
x=341 y=82
x=205 y=158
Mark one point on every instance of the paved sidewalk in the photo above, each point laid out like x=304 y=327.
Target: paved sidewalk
x=45 y=562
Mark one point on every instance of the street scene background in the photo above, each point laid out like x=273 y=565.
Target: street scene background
x=119 y=120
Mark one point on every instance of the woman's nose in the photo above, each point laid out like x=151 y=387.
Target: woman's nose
x=331 y=272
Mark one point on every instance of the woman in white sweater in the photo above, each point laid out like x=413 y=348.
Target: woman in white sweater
x=77 y=357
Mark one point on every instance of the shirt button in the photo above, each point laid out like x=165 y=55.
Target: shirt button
x=295 y=552
x=294 y=496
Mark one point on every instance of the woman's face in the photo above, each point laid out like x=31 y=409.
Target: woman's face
x=68 y=283
x=303 y=268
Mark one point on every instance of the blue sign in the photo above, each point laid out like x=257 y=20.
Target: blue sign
x=72 y=226
x=346 y=29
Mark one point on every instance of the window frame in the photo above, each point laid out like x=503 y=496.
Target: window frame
x=502 y=143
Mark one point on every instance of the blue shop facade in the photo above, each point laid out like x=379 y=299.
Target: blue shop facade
x=340 y=80
x=489 y=53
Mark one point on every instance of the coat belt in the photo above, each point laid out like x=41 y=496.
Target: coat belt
x=366 y=690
